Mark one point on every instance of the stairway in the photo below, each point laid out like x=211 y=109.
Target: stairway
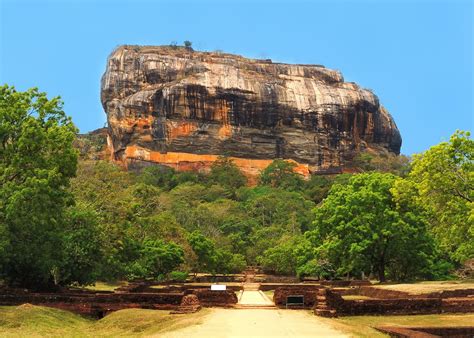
x=251 y=297
x=322 y=309
x=255 y=307
x=251 y=286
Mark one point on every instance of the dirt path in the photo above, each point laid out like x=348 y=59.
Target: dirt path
x=257 y=323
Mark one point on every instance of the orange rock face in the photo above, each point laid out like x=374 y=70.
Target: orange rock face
x=202 y=163
x=183 y=109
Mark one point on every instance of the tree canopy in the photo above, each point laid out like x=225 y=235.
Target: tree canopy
x=64 y=221
x=360 y=228
x=37 y=160
x=443 y=177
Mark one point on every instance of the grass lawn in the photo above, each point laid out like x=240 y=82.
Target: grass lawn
x=355 y=297
x=37 y=321
x=362 y=326
x=106 y=286
x=427 y=287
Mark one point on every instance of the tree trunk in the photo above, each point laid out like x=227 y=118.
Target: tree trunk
x=382 y=273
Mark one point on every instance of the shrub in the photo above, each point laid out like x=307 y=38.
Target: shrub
x=178 y=276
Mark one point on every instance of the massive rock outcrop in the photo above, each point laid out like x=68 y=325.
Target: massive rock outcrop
x=182 y=108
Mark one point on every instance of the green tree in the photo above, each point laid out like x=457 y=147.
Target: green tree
x=383 y=162
x=205 y=251
x=288 y=209
x=82 y=248
x=443 y=177
x=225 y=173
x=237 y=263
x=280 y=259
x=37 y=160
x=227 y=262
x=317 y=187
x=361 y=228
x=159 y=176
x=281 y=174
x=106 y=189
x=213 y=259
x=157 y=258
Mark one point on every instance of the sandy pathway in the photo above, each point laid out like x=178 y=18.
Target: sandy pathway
x=254 y=298
x=257 y=323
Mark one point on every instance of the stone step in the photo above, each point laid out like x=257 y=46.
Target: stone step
x=251 y=286
x=255 y=306
x=325 y=313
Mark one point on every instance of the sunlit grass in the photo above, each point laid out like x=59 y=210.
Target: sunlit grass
x=429 y=286
x=106 y=286
x=362 y=326
x=355 y=297
x=37 y=321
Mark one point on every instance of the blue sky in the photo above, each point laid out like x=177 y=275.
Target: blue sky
x=417 y=56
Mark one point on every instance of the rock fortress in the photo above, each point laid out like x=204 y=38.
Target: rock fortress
x=181 y=108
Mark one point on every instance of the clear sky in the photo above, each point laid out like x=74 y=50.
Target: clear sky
x=417 y=56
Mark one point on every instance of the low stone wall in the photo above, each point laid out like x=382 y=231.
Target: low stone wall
x=340 y=284
x=218 y=279
x=390 y=306
x=381 y=293
x=173 y=288
x=279 y=279
x=271 y=286
x=138 y=286
x=460 y=305
x=403 y=305
x=99 y=304
x=309 y=294
x=451 y=293
x=96 y=304
x=215 y=298
x=427 y=332
x=345 y=283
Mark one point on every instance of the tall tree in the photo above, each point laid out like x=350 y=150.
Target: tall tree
x=227 y=174
x=37 y=160
x=281 y=174
x=360 y=228
x=83 y=248
x=444 y=179
x=156 y=259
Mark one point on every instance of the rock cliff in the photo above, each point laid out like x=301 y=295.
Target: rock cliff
x=181 y=108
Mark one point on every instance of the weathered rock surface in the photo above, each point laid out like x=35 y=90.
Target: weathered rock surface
x=183 y=109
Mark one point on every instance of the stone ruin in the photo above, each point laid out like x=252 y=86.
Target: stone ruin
x=189 y=304
x=325 y=298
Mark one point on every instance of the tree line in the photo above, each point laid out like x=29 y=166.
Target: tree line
x=67 y=220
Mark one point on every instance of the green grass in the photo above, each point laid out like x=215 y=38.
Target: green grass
x=269 y=294
x=106 y=286
x=140 y=322
x=428 y=286
x=355 y=297
x=362 y=326
x=37 y=321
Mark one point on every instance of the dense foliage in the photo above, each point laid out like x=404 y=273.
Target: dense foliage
x=37 y=160
x=360 y=228
x=66 y=222
x=443 y=178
